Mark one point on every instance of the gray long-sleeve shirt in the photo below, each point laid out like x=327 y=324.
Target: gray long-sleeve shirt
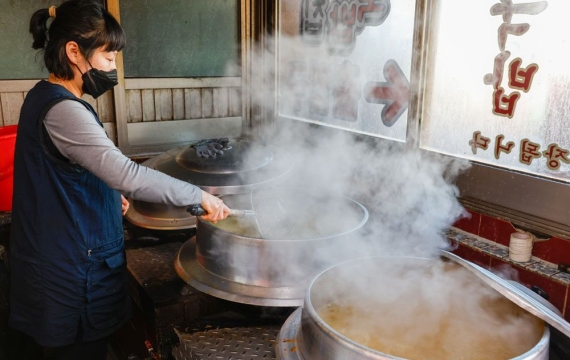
x=79 y=138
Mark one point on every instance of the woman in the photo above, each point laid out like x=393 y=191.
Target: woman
x=68 y=270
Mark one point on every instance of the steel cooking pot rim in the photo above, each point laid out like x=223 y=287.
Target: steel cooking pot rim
x=308 y=306
x=360 y=258
x=277 y=240
x=288 y=327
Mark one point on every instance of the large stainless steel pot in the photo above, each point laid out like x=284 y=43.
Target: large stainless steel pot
x=305 y=335
x=246 y=165
x=242 y=267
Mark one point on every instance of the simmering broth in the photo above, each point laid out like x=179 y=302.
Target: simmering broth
x=309 y=217
x=438 y=312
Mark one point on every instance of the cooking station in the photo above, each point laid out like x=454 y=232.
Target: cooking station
x=190 y=278
x=179 y=322
x=194 y=298
x=415 y=124
x=238 y=289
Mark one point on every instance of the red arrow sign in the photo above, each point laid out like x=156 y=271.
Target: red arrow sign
x=395 y=93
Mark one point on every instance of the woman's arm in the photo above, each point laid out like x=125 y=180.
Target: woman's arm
x=78 y=137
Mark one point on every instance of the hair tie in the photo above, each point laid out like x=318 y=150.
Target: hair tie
x=52 y=11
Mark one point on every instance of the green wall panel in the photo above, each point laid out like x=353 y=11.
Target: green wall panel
x=180 y=38
x=17 y=58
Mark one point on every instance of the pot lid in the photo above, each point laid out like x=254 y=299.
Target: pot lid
x=517 y=293
x=242 y=165
x=241 y=156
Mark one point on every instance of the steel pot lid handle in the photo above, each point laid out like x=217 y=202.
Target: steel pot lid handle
x=198 y=210
x=515 y=294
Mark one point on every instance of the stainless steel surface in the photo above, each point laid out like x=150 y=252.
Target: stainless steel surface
x=198 y=210
x=193 y=273
x=159 y=216
x=313 y=339
x=269 y=272
x=287 y=339
x=239 y=157
x=526 y=292
x=245 y=166
x=241 y=213
x=515 y=294
x=256 y=165
x=228 y=344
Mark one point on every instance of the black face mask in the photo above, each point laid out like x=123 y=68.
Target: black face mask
x=97 y=82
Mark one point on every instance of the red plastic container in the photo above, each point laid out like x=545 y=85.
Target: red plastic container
x=7 y=145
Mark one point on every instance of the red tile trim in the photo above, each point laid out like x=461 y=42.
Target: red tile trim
x=554 y=250
x=496 y=230
x=470 y=223
x=500 y=252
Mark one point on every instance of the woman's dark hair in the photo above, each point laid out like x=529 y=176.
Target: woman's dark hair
x=84 y=21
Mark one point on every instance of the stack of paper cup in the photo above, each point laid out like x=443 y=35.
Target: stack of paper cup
x=520 y=247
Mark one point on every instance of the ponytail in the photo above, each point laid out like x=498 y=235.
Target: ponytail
x=38 y=28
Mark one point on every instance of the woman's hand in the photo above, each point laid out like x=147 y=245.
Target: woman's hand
x=124 y=205
x=215 y=207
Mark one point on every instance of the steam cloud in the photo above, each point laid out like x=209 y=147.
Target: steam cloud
x=409 y=193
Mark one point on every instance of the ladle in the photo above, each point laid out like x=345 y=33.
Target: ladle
x=198 y=210
x=274 y=222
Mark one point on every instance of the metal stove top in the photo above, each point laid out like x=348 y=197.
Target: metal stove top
x=228 y=343
x=232 y=336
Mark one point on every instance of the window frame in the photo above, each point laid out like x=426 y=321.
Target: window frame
x=528 y=201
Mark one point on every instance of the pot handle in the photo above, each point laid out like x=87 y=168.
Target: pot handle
x=540 y=292
x=196 y=210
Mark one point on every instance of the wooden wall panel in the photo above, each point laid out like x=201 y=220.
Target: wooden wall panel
x=193 y=103
x=220 y=102
x=234 y=98
x=177 y=104
x=163 y=104
x=12 y=94
x=105 y=108
x=134 y=106
x=207 y=103
x=147 y=100
x=11 y=104
x=182 y=104
x=148 y=105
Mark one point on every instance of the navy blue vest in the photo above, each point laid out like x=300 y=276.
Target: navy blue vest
x=67 y=259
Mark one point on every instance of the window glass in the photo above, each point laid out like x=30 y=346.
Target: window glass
x=497 y=84
x=347 y=64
